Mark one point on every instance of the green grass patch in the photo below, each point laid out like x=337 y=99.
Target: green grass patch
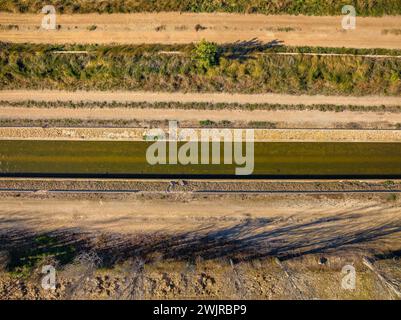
x=207 y=123
x=23 y=260
x=392 y=197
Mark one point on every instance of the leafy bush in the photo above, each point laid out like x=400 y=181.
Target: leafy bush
x=205 y=55
x=206 y=123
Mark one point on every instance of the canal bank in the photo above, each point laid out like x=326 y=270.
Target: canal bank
x=139 y=134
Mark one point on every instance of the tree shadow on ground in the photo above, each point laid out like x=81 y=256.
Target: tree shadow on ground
x=388 y=255
x=242 y=50
x=249 y=239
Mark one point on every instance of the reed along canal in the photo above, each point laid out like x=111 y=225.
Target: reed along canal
x=127 y=159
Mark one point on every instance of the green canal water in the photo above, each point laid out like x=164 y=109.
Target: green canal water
x=272 y=159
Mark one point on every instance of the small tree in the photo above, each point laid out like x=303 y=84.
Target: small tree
x=205 y=55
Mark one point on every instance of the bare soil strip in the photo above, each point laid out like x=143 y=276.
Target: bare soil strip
x=203 y=279
x=174 y=28
x=190 y=118
x=146 y=96
x=318 y=220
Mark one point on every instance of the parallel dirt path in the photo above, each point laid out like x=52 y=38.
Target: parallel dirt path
x=142 y=96
x=174 y=28
x=287 y=118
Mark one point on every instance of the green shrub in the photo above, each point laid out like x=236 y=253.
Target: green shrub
x=389 y=183
x=262 y=124
x=205 y=55
x=207 y=123
x=392 y=197
x=225 y=123
x=92 y=27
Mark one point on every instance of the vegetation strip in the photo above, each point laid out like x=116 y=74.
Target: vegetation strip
x=195 y=98
x=306 y=7
x=142 y=123
x=246 y=48
x=334 y=55
x=195 y=106
x=207 y=68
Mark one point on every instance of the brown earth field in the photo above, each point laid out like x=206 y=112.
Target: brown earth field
x=270 y=246
x=174 y=27
x=299 y=278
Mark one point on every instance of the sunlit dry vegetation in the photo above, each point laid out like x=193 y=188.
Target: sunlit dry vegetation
x=307 y=7
x=236 y=70
x=197 y=106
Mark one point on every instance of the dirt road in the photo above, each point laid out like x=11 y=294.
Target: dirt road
x=141 y=96
x=283 y=119
x=173 y=27
x=269 y=222
x=191 y=117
